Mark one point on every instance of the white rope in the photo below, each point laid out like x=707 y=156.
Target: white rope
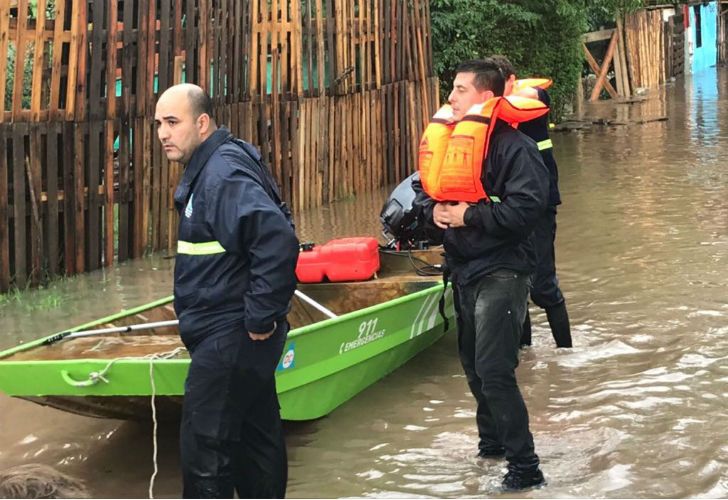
x=94 y=377
x=154 y=429
x=152 y=358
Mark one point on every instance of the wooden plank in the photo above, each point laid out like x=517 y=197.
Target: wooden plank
x=596 y=69
x=597 y=36
x=80 y=139
x=51 y=221
x=285 y=129
x=622 y=55
x=4 y=42
x=5 y=273
x=138 y=185
x=377 y=44
x=34 y=178
x=57 y=47
x=204 y=46
x=299 y=146
x=20 y=50
x=125 y=235
x=309 y=38
x=93 y=166
x=403 y=142
x=191 y=40
x=275 y=142
x=69 y=219
x=81 y=79
x=151 y=59
x=166 y=55
x=20 y=131
x=147 y=167
x=38 y=51
x=605 y=67
x=111 y=38
x=95 y=160
x=216 y=53
x=331 y=46
x=109 y=233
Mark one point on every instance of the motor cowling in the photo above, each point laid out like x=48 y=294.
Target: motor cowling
x=400 y=217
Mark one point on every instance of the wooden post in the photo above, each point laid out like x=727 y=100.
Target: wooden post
x=605 y=67
x=595 y=68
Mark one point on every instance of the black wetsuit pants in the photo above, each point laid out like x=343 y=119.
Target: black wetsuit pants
x=231 y=438
x=490 y=314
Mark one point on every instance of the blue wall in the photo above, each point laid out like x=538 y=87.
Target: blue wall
x=706 y=55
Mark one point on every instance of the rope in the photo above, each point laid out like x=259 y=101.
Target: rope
x=94 y=377
x=154 y=431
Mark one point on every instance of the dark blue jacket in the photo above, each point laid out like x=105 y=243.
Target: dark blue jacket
x=237 y=251
x=538 y=130
x=498 y=235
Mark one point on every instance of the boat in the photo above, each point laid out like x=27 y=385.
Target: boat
x=379 y=325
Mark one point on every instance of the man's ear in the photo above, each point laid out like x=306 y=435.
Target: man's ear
x=203 y=123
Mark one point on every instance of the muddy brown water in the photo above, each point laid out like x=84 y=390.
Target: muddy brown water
x=636 y=409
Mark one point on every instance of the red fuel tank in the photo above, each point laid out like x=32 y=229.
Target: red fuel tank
x=343 y=259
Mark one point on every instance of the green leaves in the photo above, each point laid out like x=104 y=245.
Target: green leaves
x=541 y=38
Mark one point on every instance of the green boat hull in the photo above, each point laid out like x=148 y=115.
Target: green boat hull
x=324 y=364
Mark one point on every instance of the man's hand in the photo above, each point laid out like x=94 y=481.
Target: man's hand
x=445 y=215
x=262 y=336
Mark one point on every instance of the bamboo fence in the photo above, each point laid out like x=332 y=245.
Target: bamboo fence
x=334 y=92
x=645 y=48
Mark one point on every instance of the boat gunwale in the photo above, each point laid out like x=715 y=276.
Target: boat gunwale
x=295 y=333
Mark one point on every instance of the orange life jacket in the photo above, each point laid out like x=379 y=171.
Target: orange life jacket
x=451 y=154
x=538 y=83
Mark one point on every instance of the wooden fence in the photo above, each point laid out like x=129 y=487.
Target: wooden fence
x=643 y=51
x=335 y=93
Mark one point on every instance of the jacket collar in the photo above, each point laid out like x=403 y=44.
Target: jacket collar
x=197 y=162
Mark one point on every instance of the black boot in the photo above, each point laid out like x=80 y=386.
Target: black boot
x=526 y=334
x=519 y=478
x=559 y=322
x=491 y=451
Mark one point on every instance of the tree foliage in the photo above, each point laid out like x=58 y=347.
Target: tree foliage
x=541 y=38
x=601 y=13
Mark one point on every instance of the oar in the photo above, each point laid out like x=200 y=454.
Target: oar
x=162 y=324
x=316 y=305
x=117 y=329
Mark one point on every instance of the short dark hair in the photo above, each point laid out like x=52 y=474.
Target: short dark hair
x=504 y=64
x=200 y=102
x=488 y=75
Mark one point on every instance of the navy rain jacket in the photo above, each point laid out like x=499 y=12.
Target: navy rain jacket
x=237 y=250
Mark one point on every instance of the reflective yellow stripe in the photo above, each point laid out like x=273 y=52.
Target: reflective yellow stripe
x=206 y=248
x=544 y=144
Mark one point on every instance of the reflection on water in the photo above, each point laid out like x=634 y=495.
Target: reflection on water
x=637 y=409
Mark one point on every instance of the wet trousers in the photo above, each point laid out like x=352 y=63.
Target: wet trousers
x=545 y=291
x=231 y=438
x=490 y=315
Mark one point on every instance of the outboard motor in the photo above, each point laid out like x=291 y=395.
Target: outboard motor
x=399 y=217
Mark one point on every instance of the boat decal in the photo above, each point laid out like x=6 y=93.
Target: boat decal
x=426 y=315
x=288 y=359
x=367 y=333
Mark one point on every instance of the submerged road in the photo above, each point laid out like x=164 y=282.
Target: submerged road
x=636 y=409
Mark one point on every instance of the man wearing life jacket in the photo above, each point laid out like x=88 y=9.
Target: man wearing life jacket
x=490 y=257
x=545 y=292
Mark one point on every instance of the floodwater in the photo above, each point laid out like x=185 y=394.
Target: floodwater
x=636 y=409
